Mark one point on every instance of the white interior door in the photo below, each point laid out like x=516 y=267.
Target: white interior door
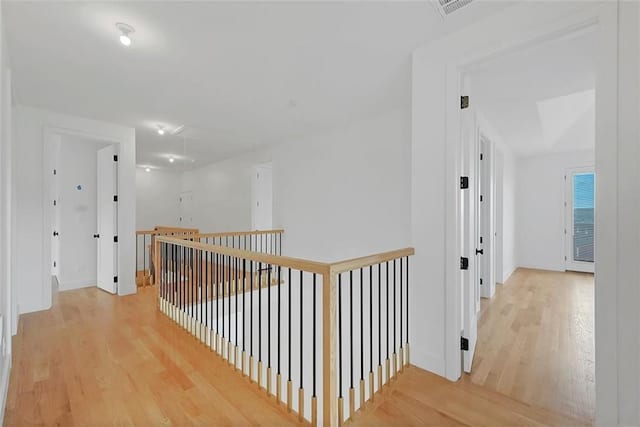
x=485 y=226
x=107 y=185
x=186 y=209
x=469 y=279
x=579 y=226
x=55 y=219
x=263 y=198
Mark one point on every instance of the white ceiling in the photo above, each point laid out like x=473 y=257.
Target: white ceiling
x=541 y=99
x=237 y=74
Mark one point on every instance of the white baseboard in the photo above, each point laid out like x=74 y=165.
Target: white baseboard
x=76 y=284
x=4 y=384
x=428 y=361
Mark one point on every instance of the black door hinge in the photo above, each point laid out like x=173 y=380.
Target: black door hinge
x=464 y=344
x=115 y=158
x=481 y=198
x=481 y=281
x=464 y=102
x=115 y=198
x=481 y=156
x=464 y=263
x=54 y=203
x=115 y=239
x=464 y=182
x=55 y=172
x=115 y=279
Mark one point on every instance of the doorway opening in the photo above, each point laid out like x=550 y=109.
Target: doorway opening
x=527 y=223
x=83 y=193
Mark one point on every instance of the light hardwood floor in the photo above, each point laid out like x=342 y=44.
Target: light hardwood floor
x=418 y=398
x=96 y=359
x=536 y=342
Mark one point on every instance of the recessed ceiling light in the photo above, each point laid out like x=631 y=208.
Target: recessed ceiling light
x=125 y=30
x=171 y=159
x=160 y=130
x=147 y=169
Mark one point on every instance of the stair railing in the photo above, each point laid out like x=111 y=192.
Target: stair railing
x=265 y=315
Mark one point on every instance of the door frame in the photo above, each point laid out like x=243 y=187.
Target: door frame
x=125 y=140
x=569 y=263
x=489 y=205
x=601 y=17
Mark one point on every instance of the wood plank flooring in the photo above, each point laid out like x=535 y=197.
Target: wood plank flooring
x=534 y=363
x=536 y=342
x=419 y=398
x=97 y=359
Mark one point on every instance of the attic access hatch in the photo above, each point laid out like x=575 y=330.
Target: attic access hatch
x=447 y=7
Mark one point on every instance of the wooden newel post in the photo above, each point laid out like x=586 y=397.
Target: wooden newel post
x=329 y=361
x=156 y=259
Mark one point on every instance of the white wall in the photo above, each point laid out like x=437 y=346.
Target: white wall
x=31 y=261
x=508 y=232
x=345 y=193
x=222 y=192
x=339 y=194
x=540 y=207
x=9 y=317
x=77 y=211
x=157 y=194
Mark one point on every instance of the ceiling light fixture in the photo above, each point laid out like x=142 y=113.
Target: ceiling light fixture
x=160 y=130
x=147 y=169
x=125 y=30
x=171 y=159
x=178 y=130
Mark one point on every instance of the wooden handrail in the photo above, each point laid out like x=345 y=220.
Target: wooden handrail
x=366 y=261
x=160 y=230
x=140 y=232
x=240 y=233
x=283 y=261
x=332 y=406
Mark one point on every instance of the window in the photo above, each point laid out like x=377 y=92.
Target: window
x=583 y=216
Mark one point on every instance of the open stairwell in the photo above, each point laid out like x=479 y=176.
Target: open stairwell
x=302 y=330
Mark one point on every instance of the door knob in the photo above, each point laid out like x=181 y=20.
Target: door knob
x=96 y=236
x=480 y=251
x=55 y=233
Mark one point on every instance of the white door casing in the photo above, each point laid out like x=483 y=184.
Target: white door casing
x=485 y=209
x=107 y=186
x=470 y=282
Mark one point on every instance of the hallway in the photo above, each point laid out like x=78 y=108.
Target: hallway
x=96 y=359
x=536 y=342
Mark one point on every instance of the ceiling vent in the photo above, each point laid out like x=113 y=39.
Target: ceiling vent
x=447 y=7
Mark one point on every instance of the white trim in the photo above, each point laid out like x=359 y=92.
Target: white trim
x=76 y=284
x=4 y=382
